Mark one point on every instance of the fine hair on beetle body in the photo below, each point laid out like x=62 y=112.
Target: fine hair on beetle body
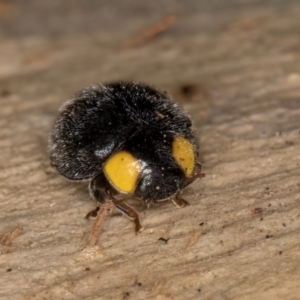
x=126 y=138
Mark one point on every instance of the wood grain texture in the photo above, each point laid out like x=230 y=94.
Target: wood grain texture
x=242 y=61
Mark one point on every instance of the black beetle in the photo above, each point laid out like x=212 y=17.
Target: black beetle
x=126 y=138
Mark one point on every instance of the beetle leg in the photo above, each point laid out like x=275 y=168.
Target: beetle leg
x=197 y=174
x=179 y=202
x=127 y=210
x=95 y=189
x=94 y=213
x=98 y=195
x=131 y=213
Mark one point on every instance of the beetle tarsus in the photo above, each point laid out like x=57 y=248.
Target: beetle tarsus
x=179 y=202
x=93 y=214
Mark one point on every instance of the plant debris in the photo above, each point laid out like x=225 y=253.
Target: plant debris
x=146 y=34
x=6 y=239
x=102 y=212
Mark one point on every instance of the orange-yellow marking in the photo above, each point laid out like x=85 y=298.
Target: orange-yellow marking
x=183 y=152
x=122 y=170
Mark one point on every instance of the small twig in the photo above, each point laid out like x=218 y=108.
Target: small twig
x=144 y=35
x=193 y=240
x=102 y=213
x=6 y=239
x=164 y=240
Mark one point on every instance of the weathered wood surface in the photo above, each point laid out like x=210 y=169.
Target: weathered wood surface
x=242 y=59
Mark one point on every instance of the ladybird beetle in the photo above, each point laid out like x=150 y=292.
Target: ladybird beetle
x=126 y=138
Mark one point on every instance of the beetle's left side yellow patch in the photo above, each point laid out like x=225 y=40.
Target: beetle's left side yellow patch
x=122 y=170
x=184 y=154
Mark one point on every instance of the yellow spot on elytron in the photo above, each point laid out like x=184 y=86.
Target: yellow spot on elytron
x=122 y=170
x=183 y=152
